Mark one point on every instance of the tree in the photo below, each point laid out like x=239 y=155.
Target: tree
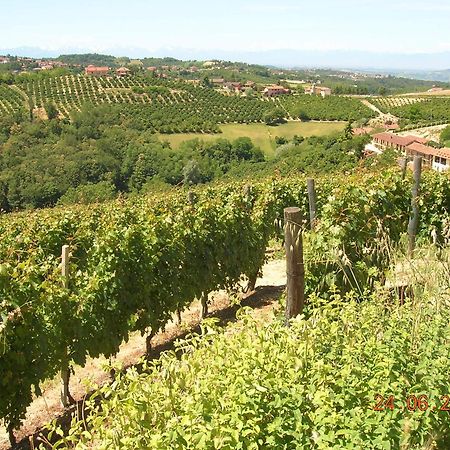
x=348 y=131
x=297 y=140
x=206 y=82
x=191 y=173
x=51 y=111
x=445 y=136
x=274 y=117
x=280 y=140
x=301 y=114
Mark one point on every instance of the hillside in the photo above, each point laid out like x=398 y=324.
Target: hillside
x=165 y=101
x=418 y=110
x=108 y=150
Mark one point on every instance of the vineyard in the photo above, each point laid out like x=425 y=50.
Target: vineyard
x=385 y=104
x=169 y=106
x=166 y=106
x=419 y=111
x=329 y=108
x=10 y=101
x=134 y=263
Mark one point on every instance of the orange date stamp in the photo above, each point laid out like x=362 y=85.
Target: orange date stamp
x=412 y=403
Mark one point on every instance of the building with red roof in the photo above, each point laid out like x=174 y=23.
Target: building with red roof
x=410 y=146
x=96 y=71
x=387 y=140
x=122 y=71
x=274 y=90
x=437 y=158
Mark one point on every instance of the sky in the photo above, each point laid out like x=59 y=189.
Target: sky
x=124 y=27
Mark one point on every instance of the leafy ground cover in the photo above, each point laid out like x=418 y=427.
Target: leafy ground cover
x=315 y=385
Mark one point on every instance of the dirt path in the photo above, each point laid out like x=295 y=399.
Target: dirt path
x=372 y=107
x=47 y=407
x=382 y=117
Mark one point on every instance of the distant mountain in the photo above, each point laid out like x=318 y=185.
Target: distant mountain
x=32 y=52
x=437 y=75
x=419 y=63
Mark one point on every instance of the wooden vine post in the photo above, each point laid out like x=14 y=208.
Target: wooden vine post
x=191 y=198
x=414 y=218
x=204 y=305
x=65 y=372
x=403 y=162
x=311 y=185
x=148 y=343
x=295 y=269
x=254 y=276
x=11 y=435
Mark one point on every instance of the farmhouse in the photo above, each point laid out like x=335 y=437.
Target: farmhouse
x=436 y=158
x=233 y=86
x=151 y=69
x=4 y=60
x=410 y=146
x=45 y=65
x=122 y=71
x=385 y=140
x=275 y=90
x=96 y=71
x=318 y=90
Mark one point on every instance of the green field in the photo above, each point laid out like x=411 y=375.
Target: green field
x=261 y=134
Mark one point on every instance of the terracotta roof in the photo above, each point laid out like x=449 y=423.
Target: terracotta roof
x=426 y=150
x=394 y=139
x=122 y=69
x=96 y=69
x=420 y=148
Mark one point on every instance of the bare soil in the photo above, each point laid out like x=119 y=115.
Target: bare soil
x=264 y=301
x=433 y=132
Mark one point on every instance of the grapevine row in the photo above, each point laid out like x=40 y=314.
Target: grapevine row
x=171 y=106
x=10 y=101
x=134 y=263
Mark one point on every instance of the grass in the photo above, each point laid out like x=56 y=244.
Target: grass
x=262 y=135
